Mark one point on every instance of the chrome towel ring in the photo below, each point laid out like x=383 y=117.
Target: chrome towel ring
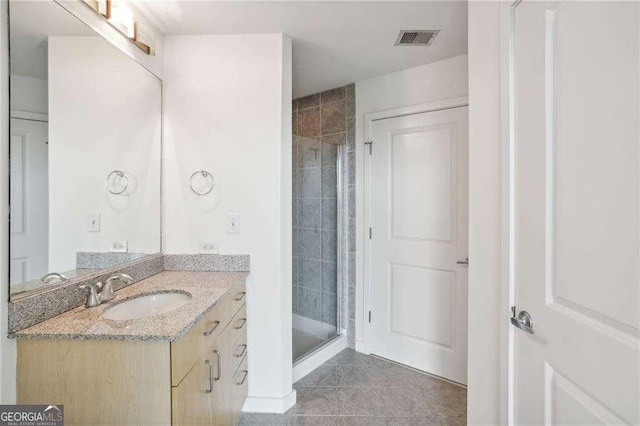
x=117 y=182
x=206 y=185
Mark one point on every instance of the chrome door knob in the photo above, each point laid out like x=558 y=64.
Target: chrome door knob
x=523 y=320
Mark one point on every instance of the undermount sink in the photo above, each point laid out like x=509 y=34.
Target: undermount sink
x=147 y=306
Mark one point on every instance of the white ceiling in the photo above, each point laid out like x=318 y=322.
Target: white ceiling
x=334 y=43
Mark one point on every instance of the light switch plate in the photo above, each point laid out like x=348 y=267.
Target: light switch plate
x=233 y=223
x=93 y=222
x=209 y=248
x=119 y=246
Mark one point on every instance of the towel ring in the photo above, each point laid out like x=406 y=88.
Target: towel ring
x=122 y=187
x=208 y=176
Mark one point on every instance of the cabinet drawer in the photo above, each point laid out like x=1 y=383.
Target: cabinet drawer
x=239 y=389
x=239 y=349
x=186 y=351
x=238 y=297
x=238 y=326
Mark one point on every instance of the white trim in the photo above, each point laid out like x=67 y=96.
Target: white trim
x=413 y=109
x=315 y=360
x=28 y=115
x=267 y=404
x=507 y=334
x=364 y=345
x=360 y=347
x=7 y=346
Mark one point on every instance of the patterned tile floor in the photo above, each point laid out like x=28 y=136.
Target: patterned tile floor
x=356 y=389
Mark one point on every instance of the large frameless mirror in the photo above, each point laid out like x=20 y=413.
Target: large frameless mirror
x=84 y=152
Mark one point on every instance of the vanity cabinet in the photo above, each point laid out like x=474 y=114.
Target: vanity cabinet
x=216 y=381
x=200 y=378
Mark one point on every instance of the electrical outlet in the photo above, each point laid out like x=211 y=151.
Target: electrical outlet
x=93 y=222
x=233 y=224
x=119 y=246
x=209 y=248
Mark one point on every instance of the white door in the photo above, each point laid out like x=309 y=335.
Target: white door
x=419 y=219
x=577 y=212
x=29 y=200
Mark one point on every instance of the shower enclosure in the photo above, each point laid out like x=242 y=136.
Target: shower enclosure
x=319 y=151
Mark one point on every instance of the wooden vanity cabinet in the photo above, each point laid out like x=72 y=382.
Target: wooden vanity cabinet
x=214 y=382
x=198 y=379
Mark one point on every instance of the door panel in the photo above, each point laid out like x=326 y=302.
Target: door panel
x=421 y=303
x=577 y=212
x=29 y=200
x=419 y=168
x=418 y=197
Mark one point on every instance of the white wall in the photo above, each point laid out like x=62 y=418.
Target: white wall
x=432 y=82
x=104 y=114
x=29 y=94
x=7 y=346
x=227 y=105
x=488 y=315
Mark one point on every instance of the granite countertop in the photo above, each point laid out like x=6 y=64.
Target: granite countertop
x=206 y=288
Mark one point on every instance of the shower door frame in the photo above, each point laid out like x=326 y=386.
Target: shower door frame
x=341 y=253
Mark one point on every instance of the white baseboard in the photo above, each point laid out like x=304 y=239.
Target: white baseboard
x=362 y=347
x=315 y=360
x=264 y=404
x=314 y=327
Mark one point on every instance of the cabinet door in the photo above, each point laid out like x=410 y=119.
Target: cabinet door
x=191 y=400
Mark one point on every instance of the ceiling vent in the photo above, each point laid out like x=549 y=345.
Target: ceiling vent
x=416 y=37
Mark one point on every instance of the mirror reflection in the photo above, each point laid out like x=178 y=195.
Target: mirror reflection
x=84 y=152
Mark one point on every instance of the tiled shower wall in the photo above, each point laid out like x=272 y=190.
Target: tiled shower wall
x=324 y=124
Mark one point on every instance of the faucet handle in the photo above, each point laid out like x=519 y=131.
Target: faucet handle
x=50 y=277
x=93 y=298
x=107 y=289
x=124 y=277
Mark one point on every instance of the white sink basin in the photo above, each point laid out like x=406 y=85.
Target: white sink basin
x=146 y=306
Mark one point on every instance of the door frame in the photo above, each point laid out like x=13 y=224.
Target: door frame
x=508 y=285
x=369 y=120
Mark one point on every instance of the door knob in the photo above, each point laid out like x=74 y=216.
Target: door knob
x=463 y=262
x=523 y=321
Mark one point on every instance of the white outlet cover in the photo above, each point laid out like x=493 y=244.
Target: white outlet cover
x=209 y=248
x=119 y=246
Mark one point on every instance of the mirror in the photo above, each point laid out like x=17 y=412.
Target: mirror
x=84 y=151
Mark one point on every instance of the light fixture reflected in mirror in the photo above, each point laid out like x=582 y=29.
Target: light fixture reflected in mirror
x=127 y=20
x=100 y=6
x=121 y=16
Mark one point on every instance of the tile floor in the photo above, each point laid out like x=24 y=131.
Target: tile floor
x=356 y=389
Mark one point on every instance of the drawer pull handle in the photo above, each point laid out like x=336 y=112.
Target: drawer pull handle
x=241 y=354
x=217 y=354
x=210 y=365
x=240 y=296
x=215 y=325
x=243 y=321
x=244 y=377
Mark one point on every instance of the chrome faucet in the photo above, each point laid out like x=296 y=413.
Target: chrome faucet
x=49 y=278
x=100 y=293
x=93 y=297
x=107 y=289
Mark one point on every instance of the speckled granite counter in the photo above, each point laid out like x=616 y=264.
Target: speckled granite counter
x=206 y=288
